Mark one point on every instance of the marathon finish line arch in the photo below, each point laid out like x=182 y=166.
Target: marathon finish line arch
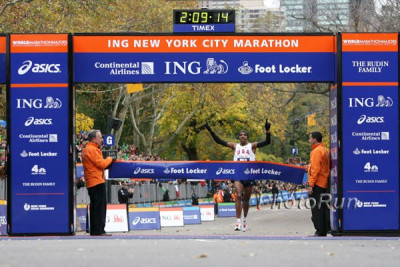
x=41 y=69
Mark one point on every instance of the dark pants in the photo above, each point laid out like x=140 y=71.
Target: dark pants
x=98 y=207
x=320 y=212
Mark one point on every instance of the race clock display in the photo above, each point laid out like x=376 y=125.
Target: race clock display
x=204 y=20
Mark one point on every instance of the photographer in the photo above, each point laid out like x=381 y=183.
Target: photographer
x=125 y=193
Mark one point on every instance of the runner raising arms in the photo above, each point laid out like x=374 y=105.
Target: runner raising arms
x=244 y=151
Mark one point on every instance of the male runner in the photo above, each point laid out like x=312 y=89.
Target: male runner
x=244 y=151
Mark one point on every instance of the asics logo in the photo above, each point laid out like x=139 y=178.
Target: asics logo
x=32 y=120
x=38 y=68
x=364 y=118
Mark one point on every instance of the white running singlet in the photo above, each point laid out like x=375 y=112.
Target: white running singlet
x=244 y=153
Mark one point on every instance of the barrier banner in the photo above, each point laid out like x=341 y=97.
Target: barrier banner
x=207 y=213
x=3 y=47
x=39 y=132
x=370 y=131
x=81 y=214
x=116 y=218
x=3 y=217
x=144 y=219
x=79 y=170
x=191 y=215
x=171 y=216
x=226 y=209
x=228 y=170
x=168 y=58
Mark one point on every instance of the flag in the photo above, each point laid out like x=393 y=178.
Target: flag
x=311 y=119
x=134 y=87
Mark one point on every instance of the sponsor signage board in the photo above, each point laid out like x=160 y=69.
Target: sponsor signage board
x=171 y=216
x=228 y=170
x=370 y=131
x=3 y=217
x=144 y=219
x=81 y=213
x=3 y=46
x=226 y=210
x=207 y=213
x=79 y=170
x=168 y=58
x=191 y=215
x=116 y=218
x=39 y=122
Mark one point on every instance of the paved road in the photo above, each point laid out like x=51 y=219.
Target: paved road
x=276 y=237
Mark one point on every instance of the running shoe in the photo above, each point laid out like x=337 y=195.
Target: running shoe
x=245 y=227
x=237 y=227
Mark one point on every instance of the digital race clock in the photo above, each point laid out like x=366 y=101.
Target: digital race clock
x=204 y=20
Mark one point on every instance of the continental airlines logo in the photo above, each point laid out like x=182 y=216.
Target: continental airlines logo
x=129 y=68
x=28 y=65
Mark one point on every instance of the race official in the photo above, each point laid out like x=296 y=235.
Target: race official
x=94 y=166
x=318 y=173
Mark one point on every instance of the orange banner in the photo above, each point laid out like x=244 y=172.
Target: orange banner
x=206 y=44
x=385 y=42
x=2 y=45
x=39 y=43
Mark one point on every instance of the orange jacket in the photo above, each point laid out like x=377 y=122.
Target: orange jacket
x=318 y=169
x=218 y=197
x=94 y=165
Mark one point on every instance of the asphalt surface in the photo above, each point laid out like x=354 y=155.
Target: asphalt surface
x=276 y=237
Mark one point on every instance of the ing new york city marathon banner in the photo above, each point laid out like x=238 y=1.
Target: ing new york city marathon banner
x=39 y=132
x=3 y=47
x=168 y=58
x=370 y=121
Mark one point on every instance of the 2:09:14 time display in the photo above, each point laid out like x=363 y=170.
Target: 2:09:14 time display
x=202 y=17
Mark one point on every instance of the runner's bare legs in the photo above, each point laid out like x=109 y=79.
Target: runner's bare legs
x=239 y=187
x=246 y=199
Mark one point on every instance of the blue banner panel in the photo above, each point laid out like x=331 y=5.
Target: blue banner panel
x=39 y=129
x=370 y=66
x=39 y=119
x=203 y=58
x=209 y=28
x=229 y=170
x=144 y=219
x=28 y=68
x=370 y=137
x=370 y=156
x=333 y=130
x=3 y=218
x=226 y=210
x=191 y=215
x=203 y=67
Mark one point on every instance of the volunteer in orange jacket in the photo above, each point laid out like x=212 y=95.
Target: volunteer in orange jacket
x=318 y=173
x=94 y=166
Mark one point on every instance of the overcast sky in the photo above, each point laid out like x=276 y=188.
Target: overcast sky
x=275 y=3
x=271 y=3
